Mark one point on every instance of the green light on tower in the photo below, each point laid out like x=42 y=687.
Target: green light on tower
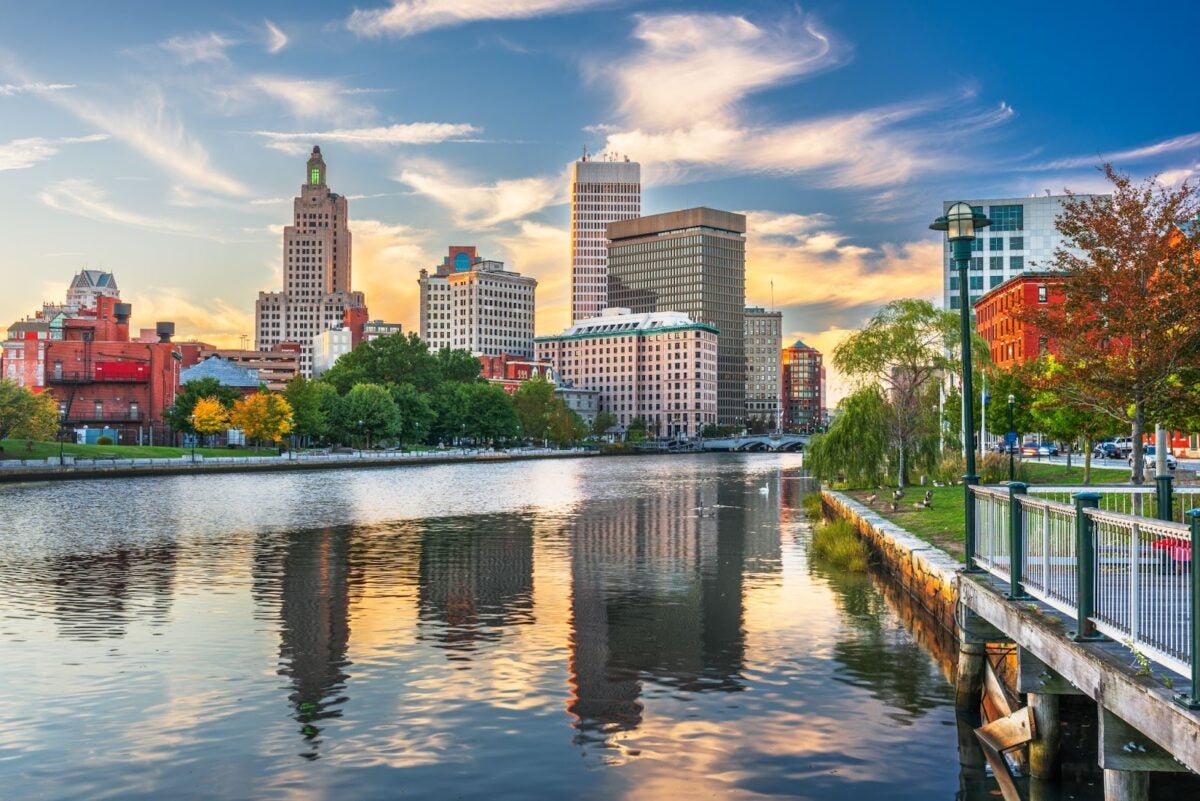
x=314 y=177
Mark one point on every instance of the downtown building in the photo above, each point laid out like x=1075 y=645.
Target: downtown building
x=1022 y=238
x=602 y=192
x=691 y=261
x=474 y=304
x=764 y=376
x=803 y=388
x=659 y=366
x=316 y=291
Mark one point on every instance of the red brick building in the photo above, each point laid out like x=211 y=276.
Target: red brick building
x=1013 y=342
x=509 y=372
x=803 y=388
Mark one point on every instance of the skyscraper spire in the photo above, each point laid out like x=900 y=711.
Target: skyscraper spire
x=316 y=168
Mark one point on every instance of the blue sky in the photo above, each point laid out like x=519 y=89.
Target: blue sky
x=164 y=141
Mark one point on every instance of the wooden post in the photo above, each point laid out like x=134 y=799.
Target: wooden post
x=1126 y=785
x=1043 y=751
x=968 y=682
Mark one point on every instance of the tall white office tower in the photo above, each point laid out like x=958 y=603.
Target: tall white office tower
x=603 y=190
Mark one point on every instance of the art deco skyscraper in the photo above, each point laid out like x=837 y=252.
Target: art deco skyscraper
x=601 y=192
x=316 y=270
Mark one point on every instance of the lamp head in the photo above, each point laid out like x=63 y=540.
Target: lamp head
x=961 y=222
x=1012 y=398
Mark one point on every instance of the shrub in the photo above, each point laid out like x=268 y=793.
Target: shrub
x=105 y=440
x=993 y=469
x=812 y=506
x=837 y=542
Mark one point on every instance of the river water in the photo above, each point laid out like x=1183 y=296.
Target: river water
x=638 y=628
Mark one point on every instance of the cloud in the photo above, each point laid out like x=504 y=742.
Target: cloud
x=20 y=154
x=408 y=17
x=414 y=133
x=198 y=48
x=386 y=261
x=308 y=99
x=83 y=199
x=10 y=89
x=1133 y=155
x=543 y=252
x=482 y=205
x=276 y=39
x=215 y=321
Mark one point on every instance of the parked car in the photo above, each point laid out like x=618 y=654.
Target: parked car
x=1029 y=449
x=1106 y=450
x=1047 y=449
x=1001 y=447
x=1124 y=446
x=1150 y=459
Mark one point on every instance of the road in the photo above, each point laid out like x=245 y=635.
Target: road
x=1109 y=464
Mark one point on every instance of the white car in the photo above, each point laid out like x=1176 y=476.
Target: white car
x=1150 y=459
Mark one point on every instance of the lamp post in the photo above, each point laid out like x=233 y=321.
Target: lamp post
x=192 y=420
x=1011 y=400
x=360 y=439
x=960 y=223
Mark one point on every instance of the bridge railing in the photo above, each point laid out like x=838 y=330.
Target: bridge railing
x=1128 y=577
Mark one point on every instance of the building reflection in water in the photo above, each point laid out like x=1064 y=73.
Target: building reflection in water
x=657 y=586
x=476 y=578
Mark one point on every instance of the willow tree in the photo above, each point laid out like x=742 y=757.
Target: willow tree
x=904 y=351
x=1128 y=325
x=854 y=449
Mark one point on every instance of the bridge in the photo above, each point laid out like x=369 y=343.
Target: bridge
x=1096 y=591
x=757 y=442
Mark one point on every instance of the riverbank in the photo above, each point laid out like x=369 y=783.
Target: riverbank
x=75 y=469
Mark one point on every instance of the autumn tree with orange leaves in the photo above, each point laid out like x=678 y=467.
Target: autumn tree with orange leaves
x=1129 y=326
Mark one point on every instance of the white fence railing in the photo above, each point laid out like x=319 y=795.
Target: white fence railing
x=1123 y=575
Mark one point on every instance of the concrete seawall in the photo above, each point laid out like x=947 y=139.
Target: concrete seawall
x=927 y=573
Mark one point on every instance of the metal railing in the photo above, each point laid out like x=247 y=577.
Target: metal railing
x=1128 y=577
x=1128 y=499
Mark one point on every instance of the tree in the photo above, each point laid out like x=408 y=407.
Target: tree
x=209 y=416
x=855 y=447
x=401 y=359
x=309 y=419
x=1057 y=414
x=1127 y=327
x=179 y=414
x=457 y=365
x=535 y=402
x=565 y=426
x=903 y=350
x=636 y=432
x=416 y=414
x=25 y=414
x=602 y=422
x=368 y=410
x=489 y=414
x=262 y=416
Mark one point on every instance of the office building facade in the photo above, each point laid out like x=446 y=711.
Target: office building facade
x=764 y=367
x=474 y=304
x=316 y=290
x=691 y=261
x=602 y=192
x=803 y=388
x=659 y=366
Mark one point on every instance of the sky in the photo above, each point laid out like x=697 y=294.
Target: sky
x=164 y=141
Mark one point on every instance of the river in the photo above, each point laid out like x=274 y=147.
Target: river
x=633 y=627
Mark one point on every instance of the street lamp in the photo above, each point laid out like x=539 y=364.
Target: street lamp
x=192 y=420
x=1011 y=400
x=960 y=223
x=360 y=439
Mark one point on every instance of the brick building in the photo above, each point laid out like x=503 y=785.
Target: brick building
x=1012 y=341
x=803 y=388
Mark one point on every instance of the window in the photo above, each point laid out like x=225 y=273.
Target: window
x=954 y=302
x=976 y=282
x=1008 y=218
x=977 y=245
x=1017 y=263
x=954 y=283
x=1017 y=243
x=996 y=243
x=995 y=281
x=1042 y=294
x=996 y=263
x=314 y=176
x=977 y=263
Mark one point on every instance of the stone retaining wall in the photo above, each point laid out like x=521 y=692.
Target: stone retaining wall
x=929 y=574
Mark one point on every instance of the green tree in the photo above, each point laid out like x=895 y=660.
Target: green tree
x=855 y=448
x=308 y=416
x=636 y=431
x=26 y=415
x=369 y=411
x=565 y=426
x=401 y=359
x=489 y=415
x=416 y=413
x=456 y=365
x=535 y=402
x=602 y=422
x=902 y=350
x=179 y=414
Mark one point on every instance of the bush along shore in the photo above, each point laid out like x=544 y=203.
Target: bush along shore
x=835 y=542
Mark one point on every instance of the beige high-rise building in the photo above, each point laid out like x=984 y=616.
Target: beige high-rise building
x=602 y=192
x=764 y=373
x=474 y=304
x=316 y=270
x=660 y=366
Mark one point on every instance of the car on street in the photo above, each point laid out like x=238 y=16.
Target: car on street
x=1047 y=449
x=1124 y=446
x=1150 y=458
x=1029 y=449
x=1106 y=450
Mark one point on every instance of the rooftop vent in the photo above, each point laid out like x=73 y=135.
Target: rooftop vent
x=121 y=312
x=165 y=331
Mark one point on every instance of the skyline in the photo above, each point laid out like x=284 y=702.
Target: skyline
x=448 y=125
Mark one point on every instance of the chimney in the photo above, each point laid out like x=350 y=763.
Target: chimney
x=165 y=331
x=121 y=312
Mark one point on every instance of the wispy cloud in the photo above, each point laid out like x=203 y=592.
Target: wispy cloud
x=408 y=17
x=84 y=199
x=1133 y=155
x=276 y=39
x=213 y=320
x=20 y=154
x=198 y=47
x=36 y=88
x=413 y=133
x=313 y=99
x=484 y=204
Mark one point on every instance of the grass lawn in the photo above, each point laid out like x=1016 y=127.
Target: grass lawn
x=942 y=523
x=15 y=449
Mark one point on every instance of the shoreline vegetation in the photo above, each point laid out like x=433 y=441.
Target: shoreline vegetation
x=835 y=542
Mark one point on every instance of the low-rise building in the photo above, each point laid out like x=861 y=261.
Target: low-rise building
x=1001 y=317
x=659 y=366
x=329 y=346
x=226 y=372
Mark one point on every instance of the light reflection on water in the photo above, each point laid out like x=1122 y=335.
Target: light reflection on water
x=545 y=629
